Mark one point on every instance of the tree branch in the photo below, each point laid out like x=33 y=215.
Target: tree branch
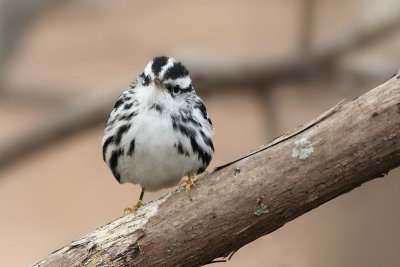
x=343 y=148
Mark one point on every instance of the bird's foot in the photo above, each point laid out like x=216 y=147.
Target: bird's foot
x=188 y=183
x=134 y=208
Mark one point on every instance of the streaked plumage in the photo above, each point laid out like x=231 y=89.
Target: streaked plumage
x=159 y=130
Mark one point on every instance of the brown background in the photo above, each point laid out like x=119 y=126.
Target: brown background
x=64 y=190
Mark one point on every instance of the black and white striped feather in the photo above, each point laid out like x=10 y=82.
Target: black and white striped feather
x=159 y=129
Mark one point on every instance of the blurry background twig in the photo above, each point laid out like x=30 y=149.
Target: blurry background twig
x=91 y=109
x=15 y=18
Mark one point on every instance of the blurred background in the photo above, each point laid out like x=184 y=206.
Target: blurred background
x=262 y=68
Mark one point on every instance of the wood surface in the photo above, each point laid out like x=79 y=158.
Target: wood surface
x=350 y=144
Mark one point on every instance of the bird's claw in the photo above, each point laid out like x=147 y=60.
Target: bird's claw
x=188 y=183
x=134 y=208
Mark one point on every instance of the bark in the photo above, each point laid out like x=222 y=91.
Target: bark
x=255 y=195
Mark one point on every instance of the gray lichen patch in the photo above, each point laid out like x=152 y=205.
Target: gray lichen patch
x=302 y=149
x=261 y=209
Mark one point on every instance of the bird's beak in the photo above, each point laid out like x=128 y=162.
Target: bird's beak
x=158 y=83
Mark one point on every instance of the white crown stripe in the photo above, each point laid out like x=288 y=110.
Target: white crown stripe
x=167 y=66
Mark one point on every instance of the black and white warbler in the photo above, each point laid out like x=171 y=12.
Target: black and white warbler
x=159 y=130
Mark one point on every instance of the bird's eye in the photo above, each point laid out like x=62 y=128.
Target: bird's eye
x=176 y=90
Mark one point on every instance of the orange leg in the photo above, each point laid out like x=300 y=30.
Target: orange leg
x=188 y=183
x=136 y=206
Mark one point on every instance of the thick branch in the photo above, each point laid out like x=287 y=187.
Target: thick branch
x=345 y=147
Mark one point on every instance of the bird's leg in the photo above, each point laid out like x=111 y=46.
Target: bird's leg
x=137 y=205
x=188 y=183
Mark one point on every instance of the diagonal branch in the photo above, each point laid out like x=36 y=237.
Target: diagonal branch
x=351 y=144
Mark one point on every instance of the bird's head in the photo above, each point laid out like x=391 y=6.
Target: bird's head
x=168 y=75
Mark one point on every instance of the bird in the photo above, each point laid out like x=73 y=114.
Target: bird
x=159 y=132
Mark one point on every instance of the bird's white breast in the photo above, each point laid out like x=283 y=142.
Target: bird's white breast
x=155 y=163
